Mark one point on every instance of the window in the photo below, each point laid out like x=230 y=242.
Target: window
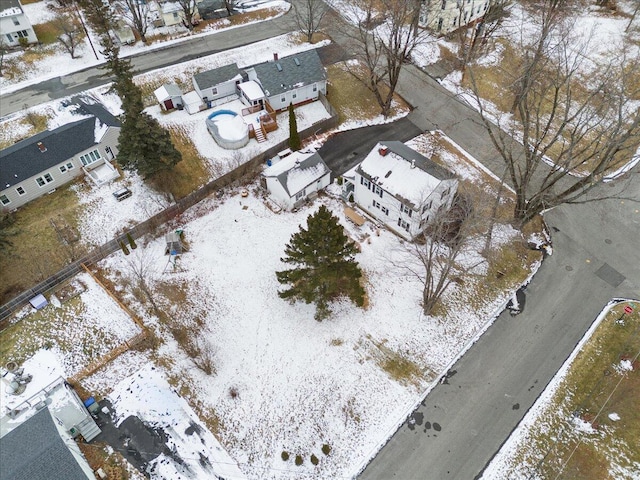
x=46 y=178
x=23 y=34
x=90 y=157
x=385 y=210
x=376 y=204
x=444 y=4
x=427 y=206
x=365 y=182
x=214 y=91
x=20 y=191
x=4 y=200
x=377 y=190
x=109 y=152
x=315 y=87
x=445 y=193
x=283 y=99
x=403 y=224
x=66 y=166
x=299 y=195
x=440 y=24
x=175 y=15
x=16 y=21
x=405 y=209
x=10 y=37
x=294 y=95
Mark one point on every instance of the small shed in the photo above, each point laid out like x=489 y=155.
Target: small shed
x=169 y=96
x=192 y=102
x=38 y=302
x=174 y=245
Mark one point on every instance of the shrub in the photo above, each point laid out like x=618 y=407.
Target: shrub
x=326 y=449
x=124 y=248
x=314 y=459
x=233 y=393
x=351 y=197
x=132 y=242
x=298 y=460
x=339 y=181
x=284 y=455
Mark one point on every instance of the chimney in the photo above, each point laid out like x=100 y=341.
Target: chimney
x=275 y=57
x=383 y=150
x=413 y=164
x=42 y=147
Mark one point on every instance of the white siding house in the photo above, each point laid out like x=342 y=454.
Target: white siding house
x=400 y=188
x=444 y=16
x=293 y=80
x=14 y=24
x=296 y=178
x=40 y=164
x=171 y=13
x=218 y=83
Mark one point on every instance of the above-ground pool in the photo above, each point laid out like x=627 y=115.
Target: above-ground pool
x=228 y=129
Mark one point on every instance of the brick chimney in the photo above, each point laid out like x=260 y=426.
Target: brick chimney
x=383 y=150
x=275 y=57
x=42 y=147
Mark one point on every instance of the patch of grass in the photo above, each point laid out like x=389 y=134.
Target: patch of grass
x=351 y=99
x=37 y=251
x=189 y=174
x=33 y=123
x=111 y=461
x=47 y=32
x=592 y=389
x=15 y=68
x=336 y=342
x=398 y=367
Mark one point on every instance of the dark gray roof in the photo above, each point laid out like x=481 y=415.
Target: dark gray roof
x=422 y=162
x=219 y=75
x=7 y=4
x=24 y=159
x=303 y=68
x=35 y=451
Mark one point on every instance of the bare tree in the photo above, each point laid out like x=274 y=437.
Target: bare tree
x=432 y=257
x=135 y=13
x=67 y=22
x=230 y=6
x=633 y=16
x=141 y=267
x=309 y=15
x=383 y=40
x=573 y=128
x=189 y=12
x=3 y=50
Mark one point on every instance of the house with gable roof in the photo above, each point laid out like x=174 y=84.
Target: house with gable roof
x=218 y=83
x=38 y=165
x=14 y=24
x=296 y=178
x=400 y=188
x=295 y=79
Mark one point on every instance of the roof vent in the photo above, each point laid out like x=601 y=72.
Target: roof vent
x=42 y=147
x=296 y=61
x=275 y=57
x=383 y=150
x=388 y=173
x=279 y=67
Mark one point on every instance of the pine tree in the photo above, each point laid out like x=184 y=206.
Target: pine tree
x=294 y=136
x=324 y=265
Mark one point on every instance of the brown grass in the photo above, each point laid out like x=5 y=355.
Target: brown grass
x=47 y=33
x=101 y=456
x=397 y=366
x=351 y=99
x=35 y=122
x=37 y=251
x=189 y=174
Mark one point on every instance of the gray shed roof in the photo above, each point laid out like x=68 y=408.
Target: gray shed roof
x=24 y=159
x=35 y=451
x=219 y=75
x=303 y=68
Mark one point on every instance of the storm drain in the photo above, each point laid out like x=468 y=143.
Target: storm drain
x=610 y=275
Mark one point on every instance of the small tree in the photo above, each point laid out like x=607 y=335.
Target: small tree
x=67 y=22
x=294 y=136
x=131 y=241
x=189 y=12
x=323 y=262
x=136 y=14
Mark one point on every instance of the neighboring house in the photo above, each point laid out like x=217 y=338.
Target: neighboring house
x=293 y=80
x=296 y=178
x=123 y=32
x=400 y=187
x=14 y=24
x=169 y=96
x=171 y=13
x=40 y=164
x=218 y=83
x=444 y=16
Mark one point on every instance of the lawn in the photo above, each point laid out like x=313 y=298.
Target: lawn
x=587 y=423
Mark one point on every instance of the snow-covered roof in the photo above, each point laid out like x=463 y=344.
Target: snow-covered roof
x=167 y=91
x=402 y=171
x=170 y=7
x=252 y=90
x=297 y=171
x=191 y=97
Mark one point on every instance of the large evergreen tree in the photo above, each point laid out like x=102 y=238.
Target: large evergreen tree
x=323 y=263
x=294 y=136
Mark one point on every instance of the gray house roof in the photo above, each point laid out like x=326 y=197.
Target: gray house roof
x=422 y=162
x=24 y=159
x=35 y=451
x=219 y=75
x=290 y=72
x=9 y=4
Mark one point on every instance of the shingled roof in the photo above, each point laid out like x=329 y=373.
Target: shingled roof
x=35 y=451
x=290 y=72
x=219 y=75
x=297 y=171
x=24 y=159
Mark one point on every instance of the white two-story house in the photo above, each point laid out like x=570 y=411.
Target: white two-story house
x=444 y=16
x=40 y=164
x=14 y=24
x=400 y=188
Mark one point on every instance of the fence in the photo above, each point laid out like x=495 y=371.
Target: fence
x=150 y=225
